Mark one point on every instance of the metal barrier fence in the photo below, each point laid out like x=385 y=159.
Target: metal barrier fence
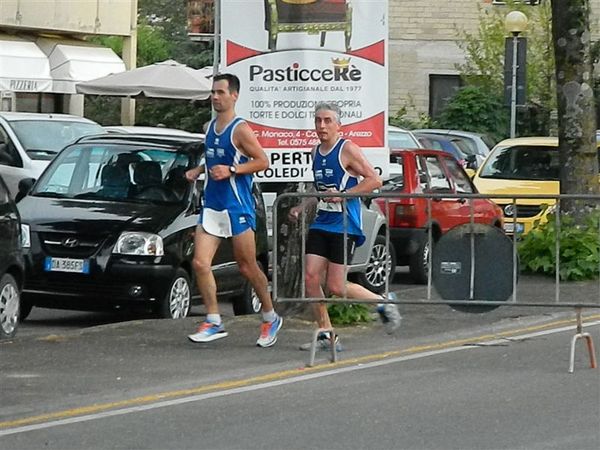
x=471 y=235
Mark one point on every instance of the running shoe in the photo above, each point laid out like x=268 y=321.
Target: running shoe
x=268 y=332
x=324 y=343
x=208 y=332
x=389 y=314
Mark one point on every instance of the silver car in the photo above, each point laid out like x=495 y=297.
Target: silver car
x=373 y=261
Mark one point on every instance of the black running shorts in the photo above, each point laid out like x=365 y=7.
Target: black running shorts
x=330 y=245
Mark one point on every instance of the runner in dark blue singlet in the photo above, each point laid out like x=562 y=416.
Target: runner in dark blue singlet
x=338 y=166
x=233 y=155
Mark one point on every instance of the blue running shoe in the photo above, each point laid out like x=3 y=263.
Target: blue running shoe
x=208 y=332
x=268 y=332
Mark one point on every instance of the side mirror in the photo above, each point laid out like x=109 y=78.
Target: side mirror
x=25 y=186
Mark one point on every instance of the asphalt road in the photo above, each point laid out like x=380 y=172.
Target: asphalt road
x=446 y=380
x=507 y=394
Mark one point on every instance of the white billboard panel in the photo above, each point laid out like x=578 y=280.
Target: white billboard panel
x=289 y=56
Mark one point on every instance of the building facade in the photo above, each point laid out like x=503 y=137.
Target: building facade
x=423 y=49
x=43 y=51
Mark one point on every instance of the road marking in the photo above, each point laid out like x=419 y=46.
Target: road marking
x=179 y=397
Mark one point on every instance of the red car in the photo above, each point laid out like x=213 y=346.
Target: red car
x=429 y=172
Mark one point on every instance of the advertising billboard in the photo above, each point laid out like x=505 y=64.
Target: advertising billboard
x=291 y=55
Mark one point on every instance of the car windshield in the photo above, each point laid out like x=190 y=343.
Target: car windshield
x=43 y=139
x=523 y=162
x=402 y=139
x=117 y=172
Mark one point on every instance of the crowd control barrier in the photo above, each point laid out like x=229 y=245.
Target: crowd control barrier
x=472 y=267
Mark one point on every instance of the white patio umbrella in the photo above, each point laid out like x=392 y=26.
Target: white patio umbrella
x=167 y=79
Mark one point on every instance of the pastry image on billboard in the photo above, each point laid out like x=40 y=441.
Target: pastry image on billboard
x=311 y=17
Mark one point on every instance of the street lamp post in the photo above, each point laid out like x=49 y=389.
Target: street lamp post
x=515 y=23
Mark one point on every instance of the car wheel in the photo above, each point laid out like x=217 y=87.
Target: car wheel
x=381 y=265
x=419 y=263
x=176 y=304
x=9 y=306
x=248 y=302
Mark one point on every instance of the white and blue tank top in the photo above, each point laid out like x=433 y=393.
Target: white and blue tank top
x=233 y=194
x=330 y=173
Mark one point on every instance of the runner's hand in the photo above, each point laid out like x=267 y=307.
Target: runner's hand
x=220 y=172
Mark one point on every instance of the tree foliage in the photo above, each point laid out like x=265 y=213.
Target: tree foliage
x=474 y=109
x=579 y=253
x=484 y=67
x=161 y=35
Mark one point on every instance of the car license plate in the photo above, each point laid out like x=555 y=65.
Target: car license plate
x=509 y=227
x=67 y=265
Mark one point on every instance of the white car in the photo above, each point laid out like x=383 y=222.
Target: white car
x=399 y=138
x=29 y=141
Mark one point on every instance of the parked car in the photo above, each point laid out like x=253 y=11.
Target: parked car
x=522 y=166
x=160 y=131
x=448 y=145
x=372 y=262
x=401 y=138
x=471 y=143
x=12 y=266
x=28 y=141
x=429 y=172
x=111 y=224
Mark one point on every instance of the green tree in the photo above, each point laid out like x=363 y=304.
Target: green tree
x=484 y=66
x=162 y=34
x=474 y=109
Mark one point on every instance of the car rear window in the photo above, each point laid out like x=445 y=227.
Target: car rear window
x=401 y=139
x=523 y=162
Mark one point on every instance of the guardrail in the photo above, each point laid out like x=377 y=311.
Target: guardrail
x=471 y=267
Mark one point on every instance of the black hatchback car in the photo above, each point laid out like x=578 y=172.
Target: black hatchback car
x=111 y=224
x=11 y=263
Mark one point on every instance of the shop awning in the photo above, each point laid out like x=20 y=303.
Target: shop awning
x=74 y=61
x=23 y=66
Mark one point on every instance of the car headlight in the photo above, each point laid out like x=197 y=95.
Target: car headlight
x=25 y=236
x=139 y=243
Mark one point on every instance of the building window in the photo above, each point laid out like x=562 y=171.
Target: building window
x=441 y=89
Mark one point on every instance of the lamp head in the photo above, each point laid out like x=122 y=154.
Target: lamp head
x=515 y=22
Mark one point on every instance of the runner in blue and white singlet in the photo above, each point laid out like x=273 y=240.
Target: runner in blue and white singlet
x=330 y=173
x=228 y=204
x=233 y=154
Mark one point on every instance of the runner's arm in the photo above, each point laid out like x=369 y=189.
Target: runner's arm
x=245 y=139
x=356 y=163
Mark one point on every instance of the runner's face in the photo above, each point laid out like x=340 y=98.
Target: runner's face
x=326 y=125
x=222 y=99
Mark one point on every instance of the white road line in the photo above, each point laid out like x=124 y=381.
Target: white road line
x=266 y=385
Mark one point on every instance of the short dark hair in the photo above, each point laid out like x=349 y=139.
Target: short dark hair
x=233 y=80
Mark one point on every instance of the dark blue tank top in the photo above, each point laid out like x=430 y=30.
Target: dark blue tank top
x=330 y=173
x=234 y=193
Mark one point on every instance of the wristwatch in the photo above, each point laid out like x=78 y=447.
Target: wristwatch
x=232 y=170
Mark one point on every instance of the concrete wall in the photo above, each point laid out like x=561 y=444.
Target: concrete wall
x=111 y=17
x=422 y=41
